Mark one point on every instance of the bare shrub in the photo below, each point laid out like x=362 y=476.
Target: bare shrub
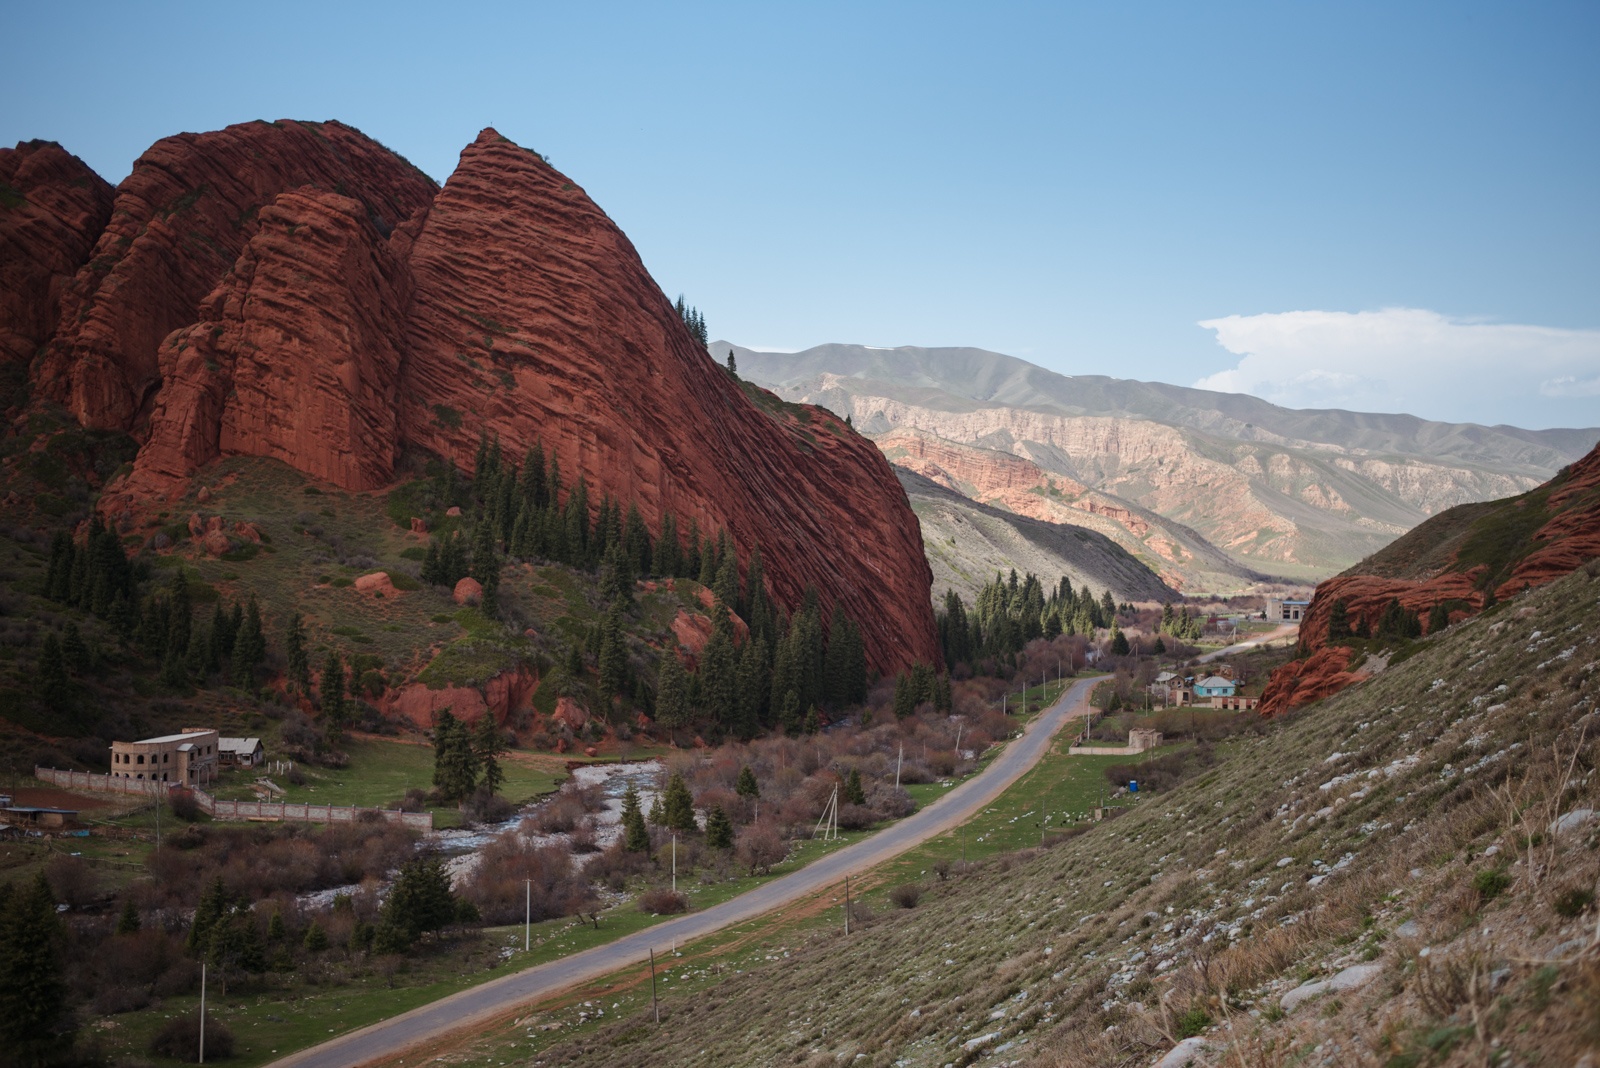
x=759 y=847
x=906 y=895
x=662 y=901
x=180 y=1038
x=74 y=882
x=498 y=885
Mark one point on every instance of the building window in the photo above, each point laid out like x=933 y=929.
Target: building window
x=164 y=757
x=141 y=758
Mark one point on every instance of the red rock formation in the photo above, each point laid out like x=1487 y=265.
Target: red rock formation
x=181 y=219
x=467 y=591
x=1568 y=538
x=52 y=210
x=500 y=696
x=298 y=292
x=532 y=316
x=267 y=372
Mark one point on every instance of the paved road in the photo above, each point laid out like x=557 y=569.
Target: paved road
x=483 y=1003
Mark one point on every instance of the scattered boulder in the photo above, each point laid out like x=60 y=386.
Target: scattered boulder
x=468 y=591
x=204 y=495
x=453 y=510
x=1576 y=820
x=570 y=714
x=1182 y=1054
x=377 y=582
x=418 y=526
x=1352 y=978
x=216 y=542
x=248 y=531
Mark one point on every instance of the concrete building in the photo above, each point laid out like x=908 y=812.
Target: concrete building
x=1286 y=611
x=190 y=758
x=241 y=752
x=1214 y=686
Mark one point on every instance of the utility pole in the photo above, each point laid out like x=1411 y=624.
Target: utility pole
x=655 y=1006
x=202 y=1012
x=674 y=863
x=527 y=915
x=847 y=906
x=898 y=761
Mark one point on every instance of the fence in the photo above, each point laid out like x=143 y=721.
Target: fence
x=230 y=810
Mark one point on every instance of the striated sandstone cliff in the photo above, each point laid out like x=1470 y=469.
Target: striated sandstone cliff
x=296 y=291
x=52 y=210
x=181 y=220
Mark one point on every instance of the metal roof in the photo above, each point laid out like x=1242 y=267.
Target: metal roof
x=170 y=738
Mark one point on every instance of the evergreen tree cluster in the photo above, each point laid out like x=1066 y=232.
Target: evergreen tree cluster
x=224 y=933
x=918 y=686
x=33 y=987
x=1011 y=612
x=693 y=320
x=96 y=576
x=465 y=759
x=1183 y=624
x=231 y=645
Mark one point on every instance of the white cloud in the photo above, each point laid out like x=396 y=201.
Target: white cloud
x=1413 y=360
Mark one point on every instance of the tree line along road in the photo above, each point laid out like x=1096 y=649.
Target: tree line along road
x=480 y=1004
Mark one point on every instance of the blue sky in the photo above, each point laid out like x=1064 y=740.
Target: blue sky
x=1386 y=206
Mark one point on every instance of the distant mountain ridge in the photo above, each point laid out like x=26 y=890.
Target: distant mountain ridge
x=1297 y=493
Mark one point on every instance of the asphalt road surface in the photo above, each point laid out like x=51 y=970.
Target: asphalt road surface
x=480 y=1004
x=1285 y=630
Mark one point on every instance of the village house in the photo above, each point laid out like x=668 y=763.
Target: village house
x=1214 y=686
x=190 y=758
x=241 y=752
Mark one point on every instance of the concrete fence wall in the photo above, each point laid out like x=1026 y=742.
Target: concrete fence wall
x=229 y=810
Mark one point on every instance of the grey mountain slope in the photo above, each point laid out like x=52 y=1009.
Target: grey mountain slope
x=992 y=378
x=967 y=542
x=1302 y=493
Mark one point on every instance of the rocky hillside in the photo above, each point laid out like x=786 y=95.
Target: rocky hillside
x=1179 y=557
x=1449 y=568
x=1405 y=877
x=968 y=543
x=1300 y=493
x=296 y=291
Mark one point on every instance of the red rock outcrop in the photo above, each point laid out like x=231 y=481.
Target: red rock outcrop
x=268 y=372
x=500 y=696
x=532 y=317
x=1567 y=538
x=468 y=591
x=296 y=291
x=52 y=210
x=180 y=221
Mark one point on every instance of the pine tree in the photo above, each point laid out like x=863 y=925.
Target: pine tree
x=455 y=766
x=316 y=939
x=215 y=905
x=33 y=990
x=689 y=561
x=576 y=522
x=672 y=709
x=678 y=805
x=1338 y=620
x=905 y=701
x=613 y=659
x=74 y=649
x=853 y=792
x=1119 y=640
x=726 y=584
x=486 y=566
x=1438 y=618
x=747 y=785
x=432 y=566
x=334 y=710
x=487 y=745
x=719 y=681
x=635 y=835
x=128 y=921
x=249 y=647
x=294 y=643
x=719 y=829
x=275 y=928
x=733 y=364
x=54 y=686
x=420 y=901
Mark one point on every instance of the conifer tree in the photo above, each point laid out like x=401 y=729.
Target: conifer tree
x=249 y=647
x=854 y=794
x=678 y=805
x=74 y=649
x=487 y=745
x=334 y=710
x=719 y=674
x=316 y=939
x=432 y=566
x=689 y=562
x=747 y=785
x=719 y=829
x=299 y=662
x=33 y=990
x=665 y=559
x=455 y=765
x=54 y=686
x=635 y=836
x=613 y=659
x=215 y=905
x=726 y=584
x=486 y=566
x=905 y=701
x=672 y=709
x=128 y=921
x=275 y=927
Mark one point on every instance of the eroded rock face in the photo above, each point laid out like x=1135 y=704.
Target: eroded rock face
x=296 y=291
x=52 y=210
x=296 y=355
x=1566 y=535
x=180 y=221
